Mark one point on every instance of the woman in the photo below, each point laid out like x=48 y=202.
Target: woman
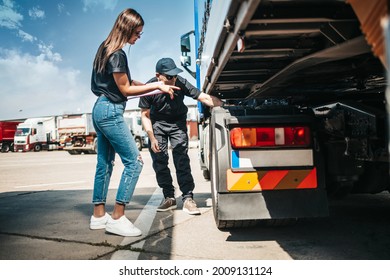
x=112 y=83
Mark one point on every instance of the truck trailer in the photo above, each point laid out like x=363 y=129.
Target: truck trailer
x=77 y=134
x=7 y=133
x=304 y=116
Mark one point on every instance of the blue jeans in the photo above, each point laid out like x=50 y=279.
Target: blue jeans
x=114 y=136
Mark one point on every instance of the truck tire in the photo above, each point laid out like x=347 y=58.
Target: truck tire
x=5 y=148
x=214 y=182
x=206 y=174
x=95 y=146
x=217 y=167
x=37 y=148
x=221 y=224
x=74 y=152
x=138 y=142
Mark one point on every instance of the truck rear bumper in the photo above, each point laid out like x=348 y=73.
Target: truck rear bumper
x=283 y=204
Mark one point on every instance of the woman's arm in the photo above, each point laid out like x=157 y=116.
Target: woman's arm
x=136 y=83
x=126 y=89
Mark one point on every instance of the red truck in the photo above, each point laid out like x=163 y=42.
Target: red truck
x=7 y=133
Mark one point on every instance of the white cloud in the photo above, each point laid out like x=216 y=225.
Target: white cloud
x=9 y=18
x=44 y=88
x=62 y=9
x=47 y=53
x=106 y=5
x=25 y=36
x=36 y=13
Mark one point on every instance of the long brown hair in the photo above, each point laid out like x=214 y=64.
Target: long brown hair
x=127 y=21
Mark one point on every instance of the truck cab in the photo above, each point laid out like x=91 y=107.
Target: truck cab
x=36 y=134
x=29 y=137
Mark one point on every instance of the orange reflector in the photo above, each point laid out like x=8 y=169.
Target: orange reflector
x=271 y=180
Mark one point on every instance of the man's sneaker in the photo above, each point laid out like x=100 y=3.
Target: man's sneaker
x=168 y=204
x=190 y=207
x=122 y=226
x=99 y=223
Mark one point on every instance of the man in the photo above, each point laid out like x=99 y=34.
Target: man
x=164 y=119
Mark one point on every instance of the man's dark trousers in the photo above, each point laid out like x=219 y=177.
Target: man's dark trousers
x=176 y=133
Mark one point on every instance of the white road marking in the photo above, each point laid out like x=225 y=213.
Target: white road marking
x=144 y=223
x=51 y=184
x=27 y=163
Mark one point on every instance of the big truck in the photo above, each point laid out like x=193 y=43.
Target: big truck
x=304 y=115
x=36 y=134
x=133 y=120
x=7 y=133
x=77 y=134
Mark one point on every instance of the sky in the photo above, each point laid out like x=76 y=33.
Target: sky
x=47 y=50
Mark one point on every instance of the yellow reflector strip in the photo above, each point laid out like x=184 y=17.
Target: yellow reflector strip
x=272 y=180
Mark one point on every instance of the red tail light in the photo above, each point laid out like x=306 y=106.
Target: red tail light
x=252 y=137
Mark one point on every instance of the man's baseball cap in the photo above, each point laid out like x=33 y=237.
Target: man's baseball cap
x=167 y=66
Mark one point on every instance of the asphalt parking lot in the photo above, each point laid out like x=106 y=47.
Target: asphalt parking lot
x=45 y=209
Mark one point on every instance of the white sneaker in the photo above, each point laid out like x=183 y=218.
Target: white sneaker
x=99 y=223
x=122 y=226
x=190 y=207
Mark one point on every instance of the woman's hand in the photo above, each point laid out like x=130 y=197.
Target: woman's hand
x=168 y=89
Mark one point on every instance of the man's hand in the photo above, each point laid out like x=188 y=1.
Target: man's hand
x=216 y=101
x=154 y=145
x=209 y=100
x=148 y=127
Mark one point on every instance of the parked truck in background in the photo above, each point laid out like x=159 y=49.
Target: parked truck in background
x=7 y=133
x=133 y=119
x=304 y=115
x=77 y=134
x=36 y=134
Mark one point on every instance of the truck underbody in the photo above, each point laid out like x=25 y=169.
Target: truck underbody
x=282 y=64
